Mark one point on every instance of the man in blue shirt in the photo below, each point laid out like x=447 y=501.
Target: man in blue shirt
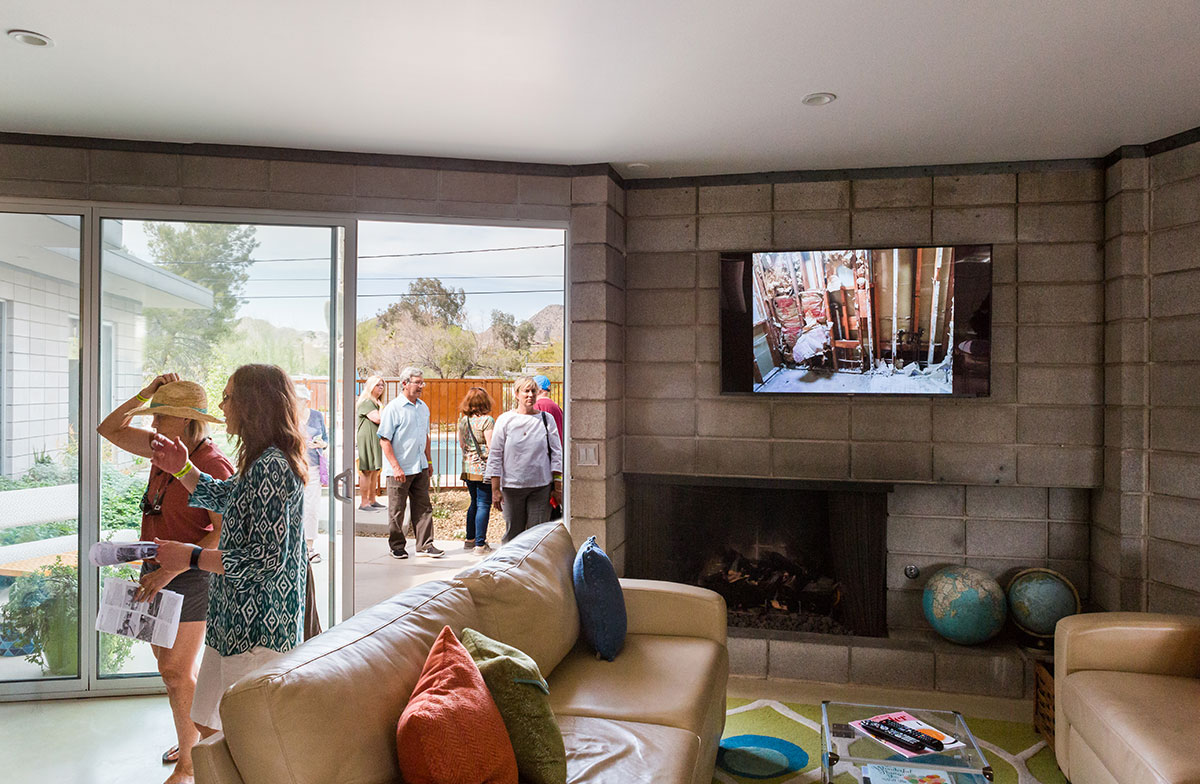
x=404 y=438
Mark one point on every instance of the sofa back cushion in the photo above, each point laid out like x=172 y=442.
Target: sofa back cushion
x=327 y=710
x=525 y=597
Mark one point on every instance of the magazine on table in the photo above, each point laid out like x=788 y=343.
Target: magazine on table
x=908 y=720
x=896 y=774
x=155 y=621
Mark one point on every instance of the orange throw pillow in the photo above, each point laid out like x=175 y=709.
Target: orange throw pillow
x=451 y=731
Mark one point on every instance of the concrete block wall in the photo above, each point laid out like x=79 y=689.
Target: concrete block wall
x=1173 y=459
x=1118 y=543
x=1000 y=530
x=596 y=335
x=1042 y=426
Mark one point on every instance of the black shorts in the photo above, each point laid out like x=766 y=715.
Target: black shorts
x=193 y=584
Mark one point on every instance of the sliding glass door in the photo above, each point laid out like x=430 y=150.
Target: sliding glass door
x=39 y=449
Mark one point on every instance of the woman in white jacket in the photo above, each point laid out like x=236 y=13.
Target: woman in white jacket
x=525 y=462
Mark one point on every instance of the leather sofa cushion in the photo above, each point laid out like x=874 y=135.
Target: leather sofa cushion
x=525 y=597
x=1140 y=726
x=327 y=710
x=657 y=679
x=606 y=751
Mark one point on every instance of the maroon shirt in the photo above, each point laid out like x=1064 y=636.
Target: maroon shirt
x=178 y=521
x=551 y=408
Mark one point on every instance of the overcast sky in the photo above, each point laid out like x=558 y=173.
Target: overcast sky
x=290 y=283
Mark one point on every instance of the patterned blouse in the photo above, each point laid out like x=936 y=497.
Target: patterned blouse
x=259 y=601
x=471 y=434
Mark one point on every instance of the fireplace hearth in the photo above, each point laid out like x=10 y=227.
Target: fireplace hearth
x=787 y=556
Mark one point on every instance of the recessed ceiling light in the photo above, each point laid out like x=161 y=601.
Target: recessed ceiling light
x=818 y=99
x=29 y=37
x=639 y=166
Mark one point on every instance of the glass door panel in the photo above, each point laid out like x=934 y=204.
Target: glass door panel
x=201 y=299
x=39 y=446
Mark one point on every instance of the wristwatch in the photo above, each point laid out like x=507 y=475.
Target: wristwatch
x=196 y=551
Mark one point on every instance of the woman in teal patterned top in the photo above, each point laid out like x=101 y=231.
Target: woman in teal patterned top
x=256 y=600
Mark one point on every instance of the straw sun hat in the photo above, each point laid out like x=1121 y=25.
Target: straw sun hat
x=181 y=399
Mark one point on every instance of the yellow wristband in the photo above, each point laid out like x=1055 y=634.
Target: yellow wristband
x=138 y=395
x=181 y=473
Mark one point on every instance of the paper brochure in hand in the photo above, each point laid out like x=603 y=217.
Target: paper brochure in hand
x=155 y=621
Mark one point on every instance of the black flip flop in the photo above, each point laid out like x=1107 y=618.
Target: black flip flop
x=171 y=756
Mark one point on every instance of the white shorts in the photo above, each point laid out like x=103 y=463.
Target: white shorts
x=312 y=503
x=218 y=673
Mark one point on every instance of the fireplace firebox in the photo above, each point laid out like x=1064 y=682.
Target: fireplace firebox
x=788 y=556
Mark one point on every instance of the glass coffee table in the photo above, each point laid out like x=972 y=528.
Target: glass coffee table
x=845 y=748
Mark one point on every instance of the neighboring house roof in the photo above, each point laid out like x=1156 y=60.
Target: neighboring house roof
x=48 y=245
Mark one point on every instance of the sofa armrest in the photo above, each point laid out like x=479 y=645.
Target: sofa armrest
x=675 y=609
x=1152 y=643
x=213 y=762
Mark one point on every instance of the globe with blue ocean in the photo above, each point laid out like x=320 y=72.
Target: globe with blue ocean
x=1038 y=598
x=965 y=605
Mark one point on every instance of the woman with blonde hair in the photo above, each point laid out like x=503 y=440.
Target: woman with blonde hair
x=256 y=603
x=525 y=461
x=180 y=411
x=366 y=437
x=475 y=425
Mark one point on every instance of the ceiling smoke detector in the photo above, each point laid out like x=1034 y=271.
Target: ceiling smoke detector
x=30 y=38
x=818 y=99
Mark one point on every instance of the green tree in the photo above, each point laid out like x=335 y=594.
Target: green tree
x=427 y=302
x=214 y=255
x=514 y=336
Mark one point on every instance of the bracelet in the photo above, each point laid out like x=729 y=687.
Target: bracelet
x=196 y=551
x=138 y=395
x=181 y=473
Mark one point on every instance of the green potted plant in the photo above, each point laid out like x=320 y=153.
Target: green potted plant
x=43 y=609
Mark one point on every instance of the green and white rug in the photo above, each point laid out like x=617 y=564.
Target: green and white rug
x=1018 y=755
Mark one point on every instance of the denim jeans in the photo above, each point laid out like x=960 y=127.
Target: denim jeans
x=479 y=510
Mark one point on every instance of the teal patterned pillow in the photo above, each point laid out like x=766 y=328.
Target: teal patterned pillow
x=520 y=693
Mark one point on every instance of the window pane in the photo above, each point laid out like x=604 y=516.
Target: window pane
x=39 y=449
x=199 y=299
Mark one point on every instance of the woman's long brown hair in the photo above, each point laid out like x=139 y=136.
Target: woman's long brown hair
x=266 y=407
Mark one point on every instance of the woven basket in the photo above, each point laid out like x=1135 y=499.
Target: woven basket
x=1043 y=704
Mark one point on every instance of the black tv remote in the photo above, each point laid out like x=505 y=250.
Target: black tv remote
x=915 y=734
x=884 y=732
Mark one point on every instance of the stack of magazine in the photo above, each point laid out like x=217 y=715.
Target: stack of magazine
x=902 y=774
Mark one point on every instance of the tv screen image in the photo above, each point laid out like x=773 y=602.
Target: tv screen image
x=897 y=321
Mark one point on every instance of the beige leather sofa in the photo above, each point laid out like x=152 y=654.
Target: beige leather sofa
x=326 y=712
x=1127 y=698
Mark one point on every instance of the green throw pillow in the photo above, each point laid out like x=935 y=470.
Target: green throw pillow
x=520 y=693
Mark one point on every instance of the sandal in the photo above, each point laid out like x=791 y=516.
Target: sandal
x=171 y=756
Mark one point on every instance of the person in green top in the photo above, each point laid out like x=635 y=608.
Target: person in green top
x=366 y=437
x=256 y=599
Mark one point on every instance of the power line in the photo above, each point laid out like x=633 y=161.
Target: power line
x=377 y=255
x=420 y=277
x=400 y=296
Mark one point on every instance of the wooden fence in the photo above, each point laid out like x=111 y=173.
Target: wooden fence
x=443 y=396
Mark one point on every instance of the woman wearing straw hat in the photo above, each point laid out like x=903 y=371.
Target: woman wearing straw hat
x=179 y=410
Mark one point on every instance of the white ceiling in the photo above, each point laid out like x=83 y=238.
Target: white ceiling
x=688 y=86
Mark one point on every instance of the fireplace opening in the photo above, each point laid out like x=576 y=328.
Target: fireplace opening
x=785 y=557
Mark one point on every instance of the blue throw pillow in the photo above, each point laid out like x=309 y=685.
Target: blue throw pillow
x=601 y=603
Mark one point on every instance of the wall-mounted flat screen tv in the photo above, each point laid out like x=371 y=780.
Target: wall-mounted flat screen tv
x=860 y=321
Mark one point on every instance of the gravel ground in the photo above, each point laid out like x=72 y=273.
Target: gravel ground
x=450 y=518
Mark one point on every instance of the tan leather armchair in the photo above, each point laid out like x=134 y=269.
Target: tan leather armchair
x=1127 y=698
